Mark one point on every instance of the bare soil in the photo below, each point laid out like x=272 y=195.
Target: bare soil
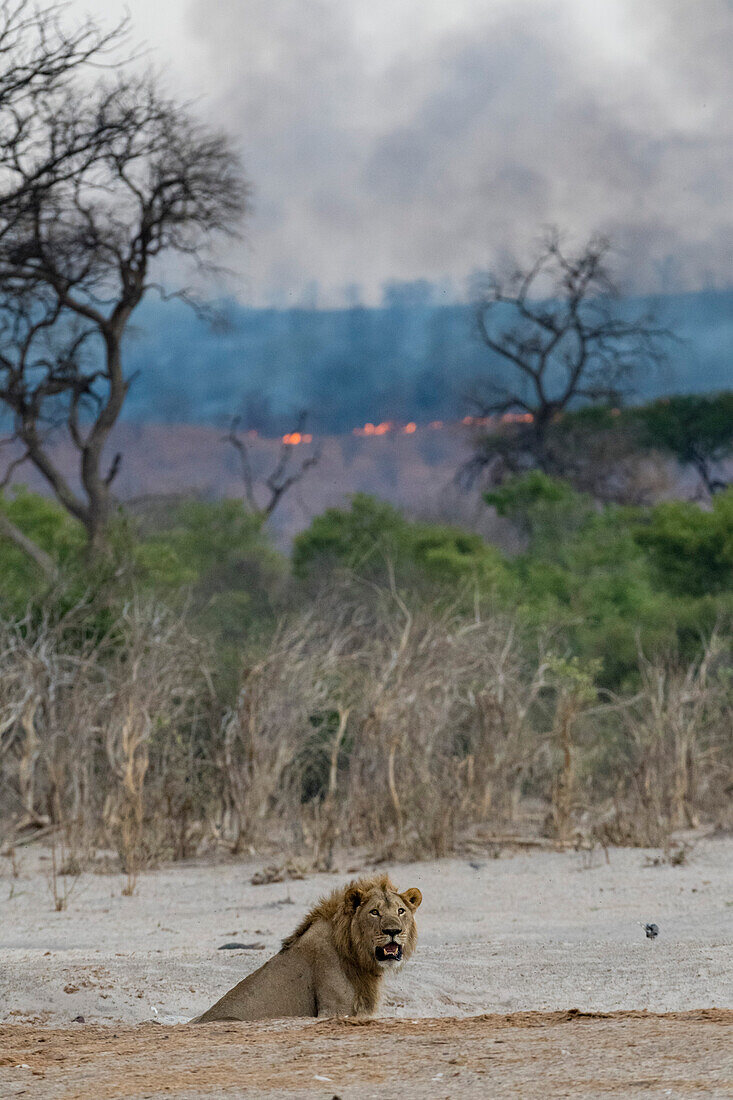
x=530 y=1054
x=532 y=978
x=535 y=931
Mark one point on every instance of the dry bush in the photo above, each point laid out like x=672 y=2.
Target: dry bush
x=279 y=741
x=373 y=723
x=679 y=745
x=48 y=705
x=155 y=687
x=366 y=721
x=662 y=759
x=261 y=738
x=442 y=737
x=84 y=715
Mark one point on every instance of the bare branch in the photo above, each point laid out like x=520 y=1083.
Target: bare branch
x=557 y=325
x=246 y=467
x=98 y=184
x=12 y=466
x=284 y=474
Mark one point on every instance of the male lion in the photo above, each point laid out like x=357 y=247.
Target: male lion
x=334 y=962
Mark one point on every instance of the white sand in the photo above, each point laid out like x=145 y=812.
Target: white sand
x=529 y=931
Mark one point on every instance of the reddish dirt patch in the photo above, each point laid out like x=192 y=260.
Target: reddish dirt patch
x=528 y=1055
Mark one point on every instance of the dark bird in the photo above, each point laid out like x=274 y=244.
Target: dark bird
x=652 y=931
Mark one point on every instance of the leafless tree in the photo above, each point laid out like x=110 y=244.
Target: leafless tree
x=557 y=326
x=284 y=474
x=129 y=179
x=40 y=55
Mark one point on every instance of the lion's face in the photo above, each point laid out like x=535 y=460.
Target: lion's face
x=383 y=926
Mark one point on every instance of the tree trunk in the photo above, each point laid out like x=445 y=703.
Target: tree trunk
x=541 y=425
x=97 y=484
x=712 y=484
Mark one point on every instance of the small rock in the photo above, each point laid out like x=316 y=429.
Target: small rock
x=241 y=947
x=78 y=1020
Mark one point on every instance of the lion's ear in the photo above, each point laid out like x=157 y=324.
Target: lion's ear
x=353 y=897
x=413 y=897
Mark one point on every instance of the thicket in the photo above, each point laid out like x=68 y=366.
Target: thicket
x=397 y=684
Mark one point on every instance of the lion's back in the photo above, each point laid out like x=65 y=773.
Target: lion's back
x=283 y=986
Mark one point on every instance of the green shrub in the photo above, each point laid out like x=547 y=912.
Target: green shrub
x=51 y=528
x=216 y=557
x=693 y=427
x=371 y=537
x=613 y=578
x=691 y=550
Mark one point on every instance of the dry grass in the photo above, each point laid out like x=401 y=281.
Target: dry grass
x=676 y=762
x=366 y=722
x=91 y=728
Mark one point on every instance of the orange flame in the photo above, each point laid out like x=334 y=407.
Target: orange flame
x=293 y=439
x=375 y=429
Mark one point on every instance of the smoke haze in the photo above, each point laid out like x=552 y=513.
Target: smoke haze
x=399 y=141
x=406 y=139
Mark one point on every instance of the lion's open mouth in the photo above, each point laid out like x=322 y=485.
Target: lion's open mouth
x=389 y=952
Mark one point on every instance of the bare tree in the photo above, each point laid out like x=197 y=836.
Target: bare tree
x=557 y=327
x=129 y=179
x=284 y=474
x=39 y=58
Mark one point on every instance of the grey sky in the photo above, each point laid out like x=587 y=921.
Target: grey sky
x=406 y=139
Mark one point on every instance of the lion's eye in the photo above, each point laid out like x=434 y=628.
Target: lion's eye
x=373 y=912
x=400 y=912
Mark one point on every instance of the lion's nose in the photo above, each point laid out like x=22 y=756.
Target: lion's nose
x=391 y=931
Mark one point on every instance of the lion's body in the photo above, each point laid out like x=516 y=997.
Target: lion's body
x=305 y=980
x=334 y=962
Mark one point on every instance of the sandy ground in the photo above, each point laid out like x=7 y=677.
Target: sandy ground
x=533 y=931
x=528 y=932
x=526 y=1055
